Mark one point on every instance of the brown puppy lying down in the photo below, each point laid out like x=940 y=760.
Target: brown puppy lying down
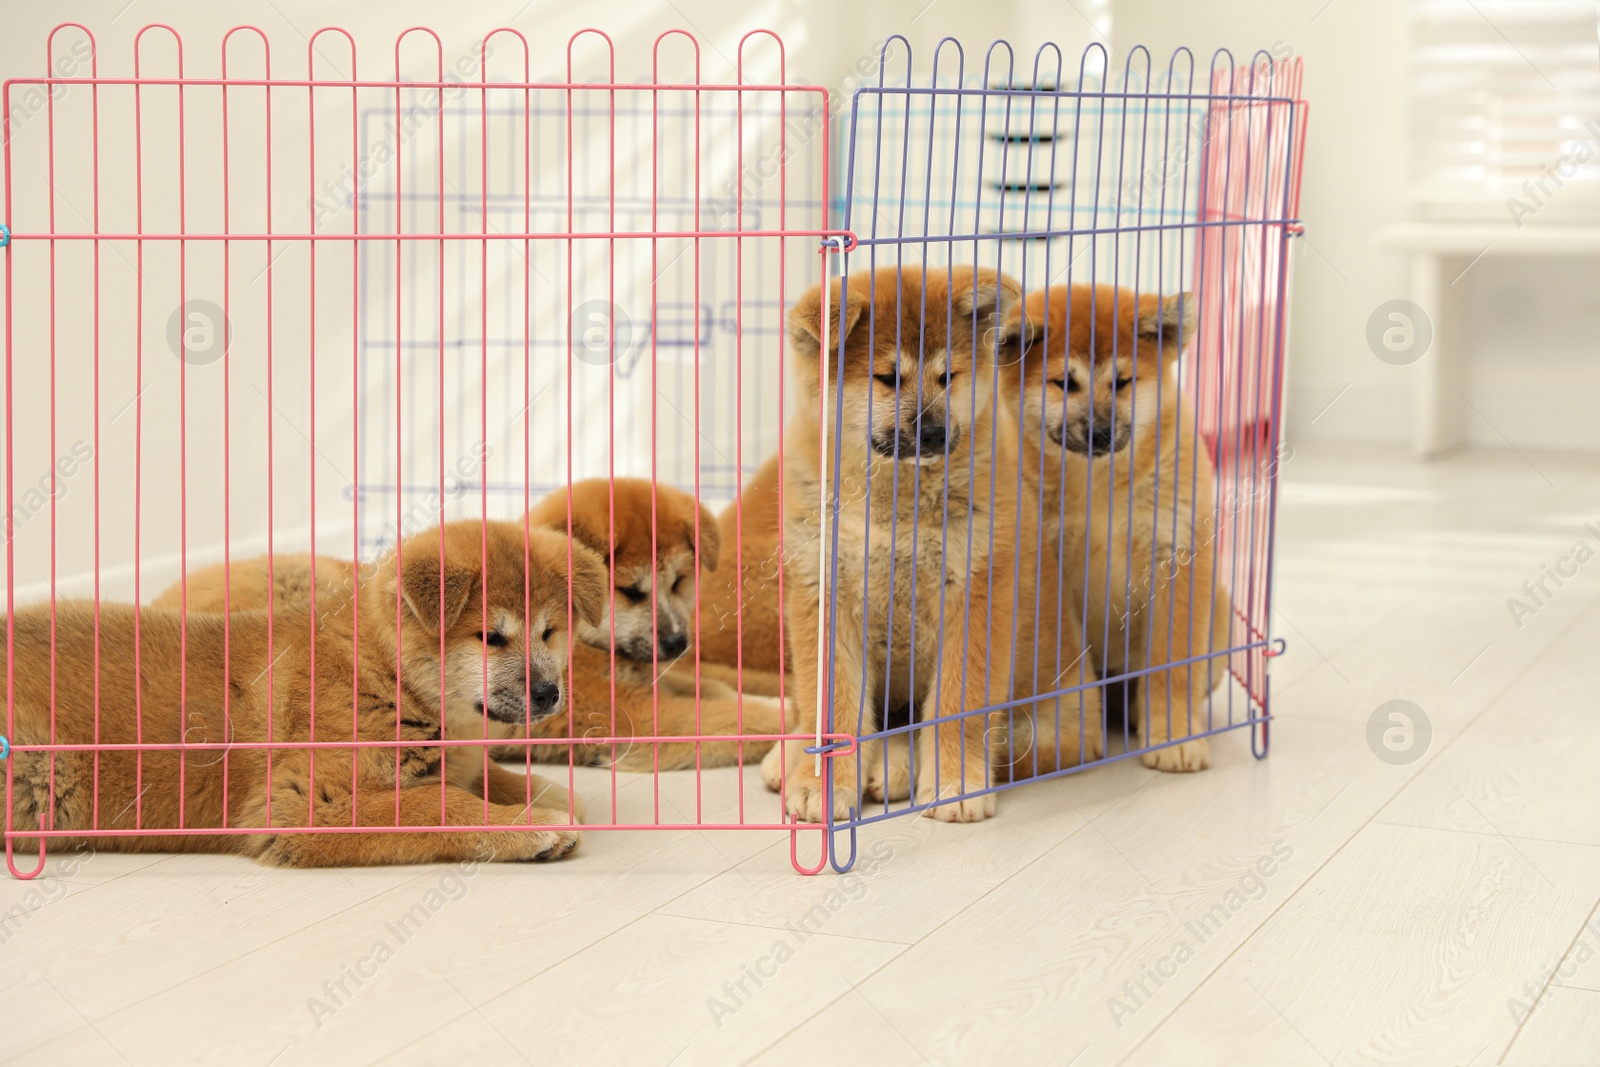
x=633 y=670
x=246 y=684
x=243 y=586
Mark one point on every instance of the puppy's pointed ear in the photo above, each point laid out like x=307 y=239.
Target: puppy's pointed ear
x=996 y=299
x=805 y=318
x=1016 y=335
x=710 y=538
x=589 y=582
x=1169 y=320
x=436 y=593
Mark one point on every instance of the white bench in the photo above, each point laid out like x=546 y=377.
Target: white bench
x=1440 y=252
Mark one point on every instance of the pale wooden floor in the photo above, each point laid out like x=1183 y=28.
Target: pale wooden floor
x=1407 y=909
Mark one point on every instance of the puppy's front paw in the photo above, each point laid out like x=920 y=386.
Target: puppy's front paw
x=1180 y=758
x=953 y=802
x=891 y=782
x=772 y=766
x=547 y=838
x=808 y=792
x=542 y=846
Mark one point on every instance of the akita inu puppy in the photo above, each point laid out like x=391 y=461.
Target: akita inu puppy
x=154 y=676
x=936 y=557
x=465 y=685
x=1130 y=492
x=633 y=668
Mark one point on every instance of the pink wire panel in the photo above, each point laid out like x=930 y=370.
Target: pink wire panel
x=319 y=305
x=1251 y=164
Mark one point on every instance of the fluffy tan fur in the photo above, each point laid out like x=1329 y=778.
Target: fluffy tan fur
x=1130 y=493
x=741 y=606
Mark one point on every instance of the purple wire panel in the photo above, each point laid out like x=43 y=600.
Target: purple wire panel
x=1138 y=188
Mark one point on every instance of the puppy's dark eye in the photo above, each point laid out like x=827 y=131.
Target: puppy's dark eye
x=494 y=639
x=891 y=380
x=632 y=595
x=549 y=632
x=1066 y=385
x=1122 y=383
x=677 y=584
x=946 y=378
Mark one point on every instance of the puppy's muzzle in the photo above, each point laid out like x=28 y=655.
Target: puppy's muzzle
x=926 y=440
x=668 y=646
x=1103 y=439
x=544 y=699
x=1092 y=439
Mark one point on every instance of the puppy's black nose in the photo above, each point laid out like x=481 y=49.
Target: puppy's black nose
x=544 y=695
x=673 y=645
x=1101 y=438
x=931 y=437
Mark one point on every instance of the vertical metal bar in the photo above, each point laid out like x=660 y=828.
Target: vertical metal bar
x=271 y=563
x=972 y=409
x=439 y=325
x=10 y=518
x=311 y=458
x=483 y=411
x=138 y=422
x=399 y=418
x=50 y=157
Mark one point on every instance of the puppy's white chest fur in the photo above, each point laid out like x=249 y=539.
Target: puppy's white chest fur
x=902 y=557
x=1121 y=530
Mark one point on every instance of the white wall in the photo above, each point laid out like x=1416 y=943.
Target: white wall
x=1355 y=182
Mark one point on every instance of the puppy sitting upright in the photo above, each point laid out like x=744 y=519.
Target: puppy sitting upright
x=1129 y=490
x=933 y=608
x=633 y=670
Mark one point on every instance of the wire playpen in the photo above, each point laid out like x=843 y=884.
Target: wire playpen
x=256 y=314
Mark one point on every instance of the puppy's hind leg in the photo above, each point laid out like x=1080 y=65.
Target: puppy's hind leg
x=887 y=773
x=1176 y=703
x=679 y=716
x=953 y=756
x=1063 y=729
